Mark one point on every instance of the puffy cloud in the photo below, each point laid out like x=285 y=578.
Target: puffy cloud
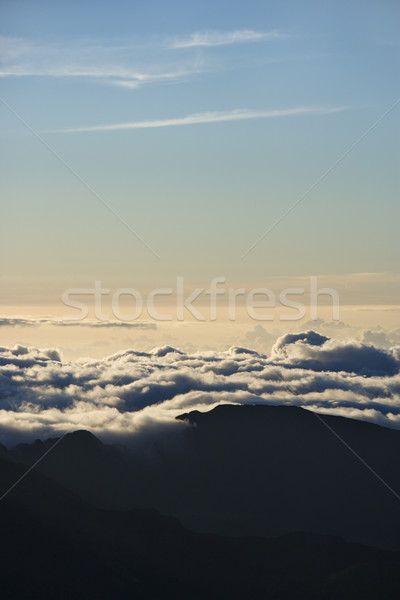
x=381 y=337
x=314 y=351
x=132 y=391
x=261 y=339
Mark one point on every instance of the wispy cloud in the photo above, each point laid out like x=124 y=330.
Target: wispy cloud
x=40 y=321
x=128 y=64
x=114 y=75
x=210 y=117
x=121 y=65
x=216 y=38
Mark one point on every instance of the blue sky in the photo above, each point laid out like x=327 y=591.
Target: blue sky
x=199 y=194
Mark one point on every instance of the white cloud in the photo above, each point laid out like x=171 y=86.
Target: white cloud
x=217 y=38
x=42 y=394
x=113 y=75
x=315 y=351
x=128 y=63
x=105 y=62
x=211 y=117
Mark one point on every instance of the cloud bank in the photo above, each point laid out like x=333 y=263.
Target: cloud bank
x=42 y=395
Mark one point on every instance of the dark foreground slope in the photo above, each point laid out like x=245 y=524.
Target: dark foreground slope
x=54 y=545
x=246 y=470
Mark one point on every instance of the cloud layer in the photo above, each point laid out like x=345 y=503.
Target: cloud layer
x=39 y=321
x=125 y=393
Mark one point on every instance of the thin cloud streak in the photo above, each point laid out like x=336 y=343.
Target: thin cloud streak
x=37 y=322
x=112 y=64
x=209 y=117
x=216 y=38
x=115 y=75
x=105 y=63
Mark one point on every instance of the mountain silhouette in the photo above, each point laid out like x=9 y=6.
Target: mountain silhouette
x=55 y=545
x=245 y=470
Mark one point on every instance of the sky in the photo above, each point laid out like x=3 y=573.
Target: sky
x=145 y=141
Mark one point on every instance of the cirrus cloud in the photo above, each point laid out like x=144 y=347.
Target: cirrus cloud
x=217 y=38
x=210 y=117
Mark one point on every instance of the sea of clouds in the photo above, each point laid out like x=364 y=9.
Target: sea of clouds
x=42 y=395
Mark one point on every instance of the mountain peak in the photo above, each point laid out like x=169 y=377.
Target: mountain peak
x=82 y=437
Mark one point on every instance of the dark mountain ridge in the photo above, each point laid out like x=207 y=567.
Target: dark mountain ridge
x=54 y=545
x=245 y=470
